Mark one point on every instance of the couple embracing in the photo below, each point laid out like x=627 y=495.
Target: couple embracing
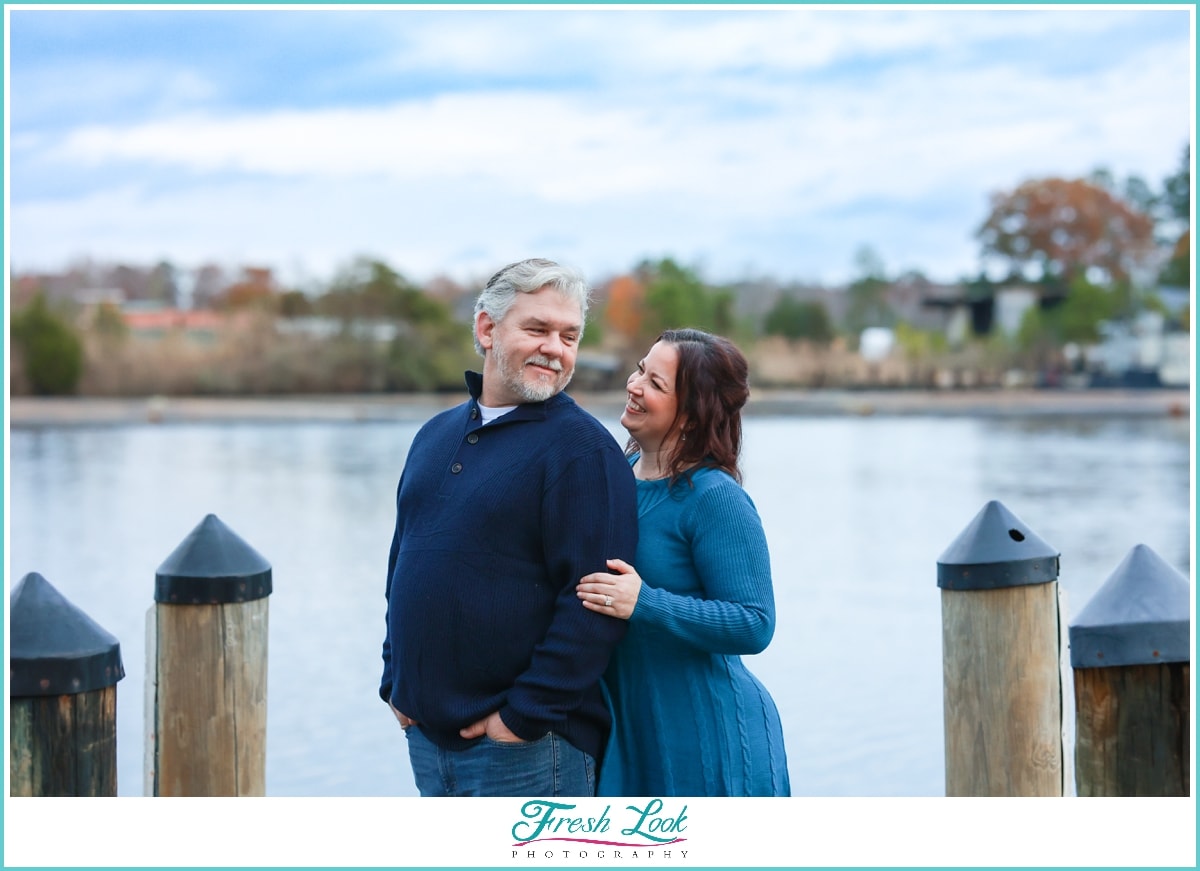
x=564 y=618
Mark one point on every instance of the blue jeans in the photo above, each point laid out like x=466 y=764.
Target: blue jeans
x=549 y=766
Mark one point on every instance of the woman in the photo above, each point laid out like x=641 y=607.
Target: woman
x=688 y=716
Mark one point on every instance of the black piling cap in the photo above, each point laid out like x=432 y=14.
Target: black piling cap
x=1142 y=615
x=212 y=566
x=56 y=649
x=996 y=550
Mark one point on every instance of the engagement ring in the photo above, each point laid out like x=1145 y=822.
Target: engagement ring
x=608 y=601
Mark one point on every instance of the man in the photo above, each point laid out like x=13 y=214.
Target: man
x=490 y=663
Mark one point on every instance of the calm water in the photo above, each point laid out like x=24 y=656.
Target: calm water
x=857 y=512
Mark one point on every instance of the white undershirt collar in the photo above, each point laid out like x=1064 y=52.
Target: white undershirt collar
x=488 y=413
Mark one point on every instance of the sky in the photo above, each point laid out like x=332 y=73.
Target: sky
x=774 y=141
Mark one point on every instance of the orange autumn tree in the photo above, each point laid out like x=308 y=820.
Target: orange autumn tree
x=624 y=312
x=1064 y=228
x=256 y=289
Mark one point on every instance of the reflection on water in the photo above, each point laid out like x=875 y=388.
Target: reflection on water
x=857 y=512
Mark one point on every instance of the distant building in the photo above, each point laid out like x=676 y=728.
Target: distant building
x=908 y=298
x=596 y=370
x=92 y=297
x=1143 y=353
x=155 y=321
x=1010 y=305
x=328 y=328
x=876 y=343
x=1000 y=311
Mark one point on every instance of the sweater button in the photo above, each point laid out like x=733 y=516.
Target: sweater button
x=473 y=438
x=456 y=468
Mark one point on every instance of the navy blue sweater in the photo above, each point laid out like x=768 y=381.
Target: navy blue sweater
x=495 y=525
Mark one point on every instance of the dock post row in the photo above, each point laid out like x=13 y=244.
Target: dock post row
x=1007 y=657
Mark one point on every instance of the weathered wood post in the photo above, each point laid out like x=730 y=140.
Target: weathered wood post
x=63 y=673
x=206 y=698
x=1001 y=660
x=1131 y=658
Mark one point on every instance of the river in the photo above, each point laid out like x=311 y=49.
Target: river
x=857 y=510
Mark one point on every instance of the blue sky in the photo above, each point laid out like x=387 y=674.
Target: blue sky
x=772 y=141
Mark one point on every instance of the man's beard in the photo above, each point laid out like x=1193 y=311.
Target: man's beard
x=537 y=391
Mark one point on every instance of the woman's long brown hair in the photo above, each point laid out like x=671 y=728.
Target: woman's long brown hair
x=711 y=386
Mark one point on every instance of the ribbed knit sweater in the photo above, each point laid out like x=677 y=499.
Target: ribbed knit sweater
x=495 y=525
x=689 y=718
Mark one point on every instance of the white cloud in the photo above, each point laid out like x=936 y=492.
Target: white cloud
x=622 y=134
x=620 y=42
x=581 y=148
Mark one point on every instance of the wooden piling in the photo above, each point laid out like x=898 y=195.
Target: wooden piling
x=1130 y=653
x=63 y=696
x=1001 y=660
x=208 y=633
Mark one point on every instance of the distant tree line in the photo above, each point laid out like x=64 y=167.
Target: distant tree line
x=1094 y=249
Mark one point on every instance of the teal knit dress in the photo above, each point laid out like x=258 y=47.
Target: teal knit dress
x=689 y=719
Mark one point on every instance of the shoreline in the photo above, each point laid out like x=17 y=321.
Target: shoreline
x=27 y=411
